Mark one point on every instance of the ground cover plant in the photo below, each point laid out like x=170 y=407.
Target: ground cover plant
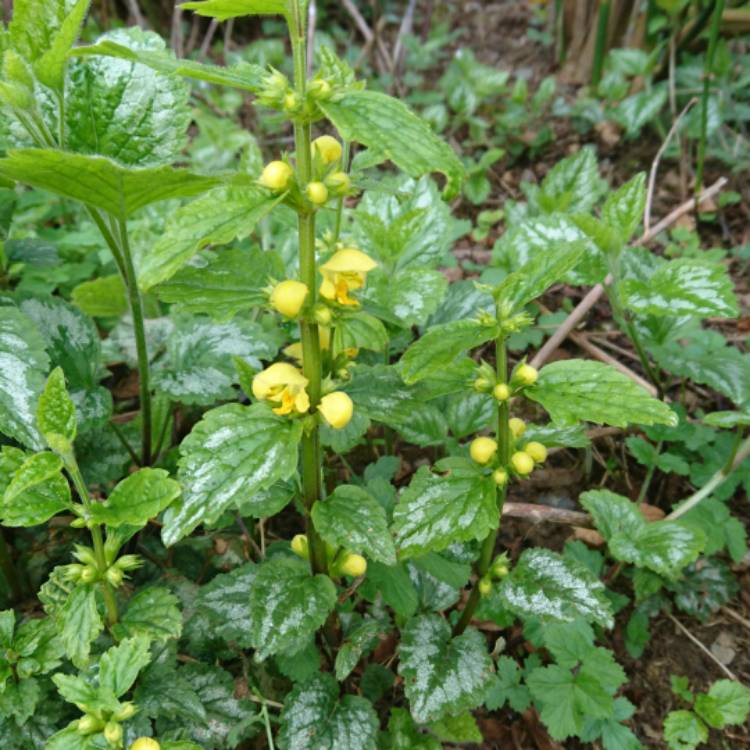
x=283 y=467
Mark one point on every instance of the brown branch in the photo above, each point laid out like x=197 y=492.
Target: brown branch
x=595 y=293
x=547 y=514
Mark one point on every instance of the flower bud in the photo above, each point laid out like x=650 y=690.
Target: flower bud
x=500 y=567
x=88 y=724
x=73 y=572
x=482 y=385
x=328 y=147
x=288 y=297
x=501 y=477
x=299 y=546
x=522 y=463
x=319 y=88
x=127 y=711
x=129 y=562
x=276 y=175
x=114 y=576
x=337 y=409
x=89 y=574
x=317 y=193
x=78 y=523
x=482 y=449
x=353 y=565
x=526 y=374
x=339 y=183
x=517 y=427
x=501 y=392
x=485 y=586
x=113 y=733
x=291 y=101
x=84 y=554
x=145 y=743
x=537 y=451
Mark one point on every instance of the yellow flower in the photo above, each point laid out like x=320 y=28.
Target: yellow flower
x=526 y=374
x=517 y=427
x=300 y=546
x=354 y=565
x=482 y=449
x=501 y=477
x=522 y=463
x=339 y=183
x=276 y=175
x=294 y=351
x=328 y=148
x=337 y=409
x=288 y=297
x=501 y=392
x=145 y=743
x=537 y=451
x=346 y=271
x=317 y=193
x=282 y=384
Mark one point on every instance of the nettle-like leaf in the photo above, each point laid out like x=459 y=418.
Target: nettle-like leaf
x=34 y=488
x=434 y=511
x=352 y=518
x=360 y=330
x=406 y=298
x=316 y=717
x=217 y=218
x=137 y=498
x=223 y=283
x=116 y=108
x=232 y=452
x=358 y=641
x=99 y=181
x=56 y=414
x=198 y=367
x=119 y=666
x=441 y=345
x=23 y=368
x=223 y=10
x=287 y=605
x=79 y=623
x=404 y=733
x=243 y=76
x=103 y=297
x=685 y=286
x=388 y=127
x=683 y=730
x=666 y=547
x=727 y=703
x=153 y=612
x=573 y=184
x=443 y=676
x=379 y=394
x=577 y=390
x=623 y=209
x=225 y=599
x=545 y=585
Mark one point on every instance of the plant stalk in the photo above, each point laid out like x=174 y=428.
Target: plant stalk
x=312 y=486
x=600 y=49
x=9 y=570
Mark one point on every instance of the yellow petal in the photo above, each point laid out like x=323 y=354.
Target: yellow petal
x=349 y=259
x=328 y=289
x=337 y=409
x=279 y=374
x=302 y=402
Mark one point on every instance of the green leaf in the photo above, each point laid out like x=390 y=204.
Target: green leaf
x=226 y=601
x=443 y=676
x=103 y=297
x=441 y=345
x=287 y=605
x=100 y=182
x=573 y=184
x=152 y=612
x=683 y=730
x=406 y=297
x=404 y=733
x=23 y=368
x=462 y=728
x=353 y=519
x=545 y=585
x=534 y=278
x=727 y=420
x=379 y=393
x=120 y=665
x=685 y=286
x=727 y=703
x=225 y=9
x=360 y=331
x=666 y=547
x=115 y=107
x=35 y=502
x=623 y=209
x=80 y=624
x=232 y=452
x=576 y=390
x=56 y=414
x=242 y=76
x=506 y=687
x=37 y=469
x=198 y=367
x=567 y=699
x=315 y=717
x=162 y=690
x=221 y=284
x=394 y=585
x=390 y=128
x=137 y=499
x=436 y=511
x=359 y=641
x=217 y=218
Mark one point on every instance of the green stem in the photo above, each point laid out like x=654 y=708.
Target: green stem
x=601 y=43
x=708 y=68
x=340 y=202
x=502 y=437
x=312 y=486
x=733 y=453
x=136 y=309
x=120 y=435
x=649 y=475
x=9 y=569
x=96 y=536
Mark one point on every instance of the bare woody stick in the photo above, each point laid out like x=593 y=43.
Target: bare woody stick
x=595 y=294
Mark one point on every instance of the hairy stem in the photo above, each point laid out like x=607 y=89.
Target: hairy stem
x=312 y=486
